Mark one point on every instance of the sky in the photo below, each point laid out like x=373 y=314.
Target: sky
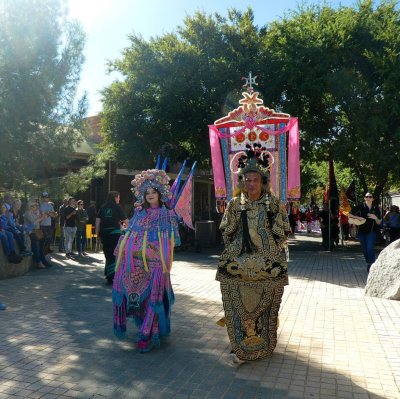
x=107 y=24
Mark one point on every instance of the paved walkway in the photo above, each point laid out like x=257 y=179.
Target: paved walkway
x=56 y=338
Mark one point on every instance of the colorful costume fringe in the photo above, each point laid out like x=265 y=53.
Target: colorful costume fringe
x=142 y=287
x=252 y=282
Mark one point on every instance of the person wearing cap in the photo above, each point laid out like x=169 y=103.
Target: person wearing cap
x=252 y=269
x=47 y=210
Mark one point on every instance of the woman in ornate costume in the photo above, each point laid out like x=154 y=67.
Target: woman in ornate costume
x=142 y=287
x=252 y=269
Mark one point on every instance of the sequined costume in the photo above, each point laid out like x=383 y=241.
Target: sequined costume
x=252 y=281
x=142 y=287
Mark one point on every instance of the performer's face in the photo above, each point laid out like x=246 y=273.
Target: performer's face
x=153 y=198
x=253 y=185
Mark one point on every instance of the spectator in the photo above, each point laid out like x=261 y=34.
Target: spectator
x=10 y=226
x=61 y=220
x=46 y=208
x=17 y=213
x=92 y=212
x=32 y=219
x=7 y=239
x=370 y=216
x=2 y=306
x=392 y=222
x=70 y=227
x=329 y=227
x=81 y=221
x=344 y=221
x=8 y=199
x=109 y=221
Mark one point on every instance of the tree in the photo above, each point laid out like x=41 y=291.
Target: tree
x=336 y=69
x=40 y=64
x=174 y=86
x=339 y=71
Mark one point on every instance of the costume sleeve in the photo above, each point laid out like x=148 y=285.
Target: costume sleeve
x=230 y=221
x=175 y=229
x=281 y=225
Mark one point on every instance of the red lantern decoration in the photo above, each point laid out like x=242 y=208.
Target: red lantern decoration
x=252 y=136
x=240 y=138
x=264 y=136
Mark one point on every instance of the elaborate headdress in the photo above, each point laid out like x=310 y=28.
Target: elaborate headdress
x=255 y=159
x=151 y=178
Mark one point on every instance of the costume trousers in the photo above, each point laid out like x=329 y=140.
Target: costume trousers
x=367 y=241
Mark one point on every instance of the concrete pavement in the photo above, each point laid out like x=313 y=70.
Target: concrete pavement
x=56 y=338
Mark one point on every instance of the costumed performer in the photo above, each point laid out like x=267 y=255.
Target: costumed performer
x=142 y=286
x=252 y=268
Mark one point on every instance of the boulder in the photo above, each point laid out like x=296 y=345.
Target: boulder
x=384 y=275
x=8 y=269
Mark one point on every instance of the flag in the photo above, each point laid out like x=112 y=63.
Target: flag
x=344 y=206
x=183 y=207
x=326 y=194
x=183 y=204
x=333 y=189
x=176 y=186
x=351 y=192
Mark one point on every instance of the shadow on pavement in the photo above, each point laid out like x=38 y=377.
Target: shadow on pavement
x=58 y=330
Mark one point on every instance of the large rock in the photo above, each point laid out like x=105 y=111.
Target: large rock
x=8 y=270
x=384 y=276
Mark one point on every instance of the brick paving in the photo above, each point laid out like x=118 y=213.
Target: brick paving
x=56 y=338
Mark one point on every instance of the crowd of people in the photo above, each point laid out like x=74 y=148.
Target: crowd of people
x=29 y=229
x=366 y=222
x=252 y=269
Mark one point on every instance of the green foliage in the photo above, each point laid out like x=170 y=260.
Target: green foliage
x=177 y=84
x=336 y=69
x=315 y=176
x=78 y=181
x=40 y=63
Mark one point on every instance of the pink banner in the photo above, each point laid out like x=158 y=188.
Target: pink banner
x=183 y=207
x=217 y=164
x=293 y=185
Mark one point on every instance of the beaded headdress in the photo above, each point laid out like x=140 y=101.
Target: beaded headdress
x=254 y=159
x=151 y=178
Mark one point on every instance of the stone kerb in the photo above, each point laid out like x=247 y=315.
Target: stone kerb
x=384 y=276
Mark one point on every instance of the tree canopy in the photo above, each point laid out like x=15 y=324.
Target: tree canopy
x=337 y=69
x=40 y=64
